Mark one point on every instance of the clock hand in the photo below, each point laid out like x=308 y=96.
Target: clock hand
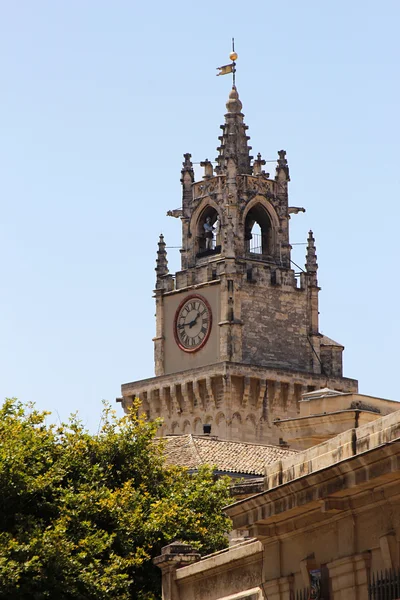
x=191 y=323
x=194 y=321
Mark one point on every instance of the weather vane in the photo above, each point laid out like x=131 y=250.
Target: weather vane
x=231 y=68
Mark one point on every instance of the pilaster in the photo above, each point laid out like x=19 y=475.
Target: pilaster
x=279 y=589
x=172 y=557
x=350 y=576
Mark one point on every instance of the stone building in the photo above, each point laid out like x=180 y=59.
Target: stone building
x=326 y=526
x=237 y=336
x=244 y=380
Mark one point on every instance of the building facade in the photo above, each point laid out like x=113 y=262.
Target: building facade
x=245 y=380
x=326 y=526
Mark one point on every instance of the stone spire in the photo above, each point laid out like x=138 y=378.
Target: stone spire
x=162 y=262
x=311 y=260
x=234 y=139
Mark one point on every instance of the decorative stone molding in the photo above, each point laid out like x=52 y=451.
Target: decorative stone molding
x=258 y=394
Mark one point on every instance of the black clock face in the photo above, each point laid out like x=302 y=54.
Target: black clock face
x=192 y=325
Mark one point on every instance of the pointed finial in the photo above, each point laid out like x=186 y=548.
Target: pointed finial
x=258 y=164
x=311 y=259
x=208 y=168
x=187 y=168
x=187 y=164
x=282 y=169
x=162 y=262
x=234 y=106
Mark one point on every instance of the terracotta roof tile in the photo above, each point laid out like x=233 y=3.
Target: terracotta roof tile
x=233 y=457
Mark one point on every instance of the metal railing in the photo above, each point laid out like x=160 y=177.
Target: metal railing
x=255 y=244
x=319 y=587
x=385 y=585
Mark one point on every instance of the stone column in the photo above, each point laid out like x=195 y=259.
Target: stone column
x=349 y=577
x=173 y=557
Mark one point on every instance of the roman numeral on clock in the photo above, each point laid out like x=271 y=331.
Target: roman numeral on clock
x=184 y=337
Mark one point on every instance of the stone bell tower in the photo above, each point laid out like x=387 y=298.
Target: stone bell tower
x=237 y=338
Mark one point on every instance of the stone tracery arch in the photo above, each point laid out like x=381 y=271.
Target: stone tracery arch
x=207 y=208
x=260 y=213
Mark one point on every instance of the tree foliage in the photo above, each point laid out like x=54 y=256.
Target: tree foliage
x=82 y=515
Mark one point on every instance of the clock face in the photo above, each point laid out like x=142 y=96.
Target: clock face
x=193 y=321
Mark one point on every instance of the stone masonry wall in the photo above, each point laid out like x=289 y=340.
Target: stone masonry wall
x=275 y=326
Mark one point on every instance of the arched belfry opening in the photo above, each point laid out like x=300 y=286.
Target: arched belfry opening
x=259 y=233
x=208 y=232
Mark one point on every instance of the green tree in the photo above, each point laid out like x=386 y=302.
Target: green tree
x=82 y=516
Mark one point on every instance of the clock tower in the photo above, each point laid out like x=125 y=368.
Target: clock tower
x=237 y=337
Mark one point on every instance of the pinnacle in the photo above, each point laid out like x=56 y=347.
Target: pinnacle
x=311 y=258
x=187 y=163
x=162 y=262
x=282 y=169
x=234 y=139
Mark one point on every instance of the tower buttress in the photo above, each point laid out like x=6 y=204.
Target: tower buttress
x=282 y=179
x=311 y=260
x=164 y=283
x=313 y=313
x=187 y=180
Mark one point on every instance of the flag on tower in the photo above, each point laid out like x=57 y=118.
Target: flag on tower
x=224 y=70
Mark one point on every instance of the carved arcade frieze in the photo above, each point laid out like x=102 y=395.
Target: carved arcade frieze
x=239 y=402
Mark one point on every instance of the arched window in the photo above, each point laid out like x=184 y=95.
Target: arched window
x=258 y=231
x=208 y=232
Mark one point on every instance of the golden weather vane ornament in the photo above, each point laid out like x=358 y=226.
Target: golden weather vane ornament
x=231 y=68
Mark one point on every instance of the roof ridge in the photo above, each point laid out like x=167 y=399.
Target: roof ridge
x=194 y=446
x=258 y=444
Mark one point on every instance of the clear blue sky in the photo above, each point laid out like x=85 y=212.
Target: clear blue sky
x=100 y=100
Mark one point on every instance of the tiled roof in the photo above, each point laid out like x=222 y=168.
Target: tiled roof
x=232 y=457
x=326 y=341
x=322 y=393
